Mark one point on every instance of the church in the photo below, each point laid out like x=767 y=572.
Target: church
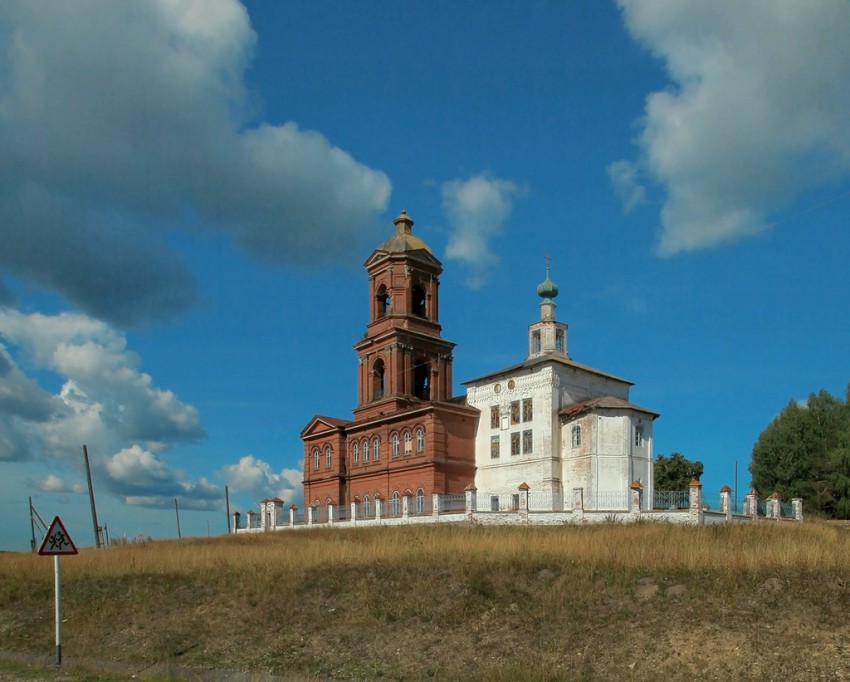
x=548 y=424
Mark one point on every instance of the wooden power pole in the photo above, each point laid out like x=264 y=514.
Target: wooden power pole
x=97 y=541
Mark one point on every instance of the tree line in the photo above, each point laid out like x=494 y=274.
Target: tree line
x=805 y=452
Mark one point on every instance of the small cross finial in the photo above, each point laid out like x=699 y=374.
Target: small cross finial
x=548 y=259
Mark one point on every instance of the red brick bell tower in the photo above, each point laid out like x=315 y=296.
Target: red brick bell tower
x=408 y=436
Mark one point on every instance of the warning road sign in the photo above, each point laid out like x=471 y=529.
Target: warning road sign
x=57 y=541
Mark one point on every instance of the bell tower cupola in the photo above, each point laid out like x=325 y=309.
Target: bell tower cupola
x=548 y=336
x=403 y=358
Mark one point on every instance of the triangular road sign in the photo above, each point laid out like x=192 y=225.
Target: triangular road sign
x=57 y=540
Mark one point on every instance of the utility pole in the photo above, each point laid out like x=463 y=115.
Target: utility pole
x=227 y=504
x=32 y=525
x=177 y=512
x=97 y=541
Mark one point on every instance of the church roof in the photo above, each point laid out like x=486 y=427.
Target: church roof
x=330 y=422
x=403 y=240
x=604 y=402
x=543 y=359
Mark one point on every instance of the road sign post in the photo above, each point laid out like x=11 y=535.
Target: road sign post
x=57 y=542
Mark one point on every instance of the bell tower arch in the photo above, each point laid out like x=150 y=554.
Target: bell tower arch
x=404 y=360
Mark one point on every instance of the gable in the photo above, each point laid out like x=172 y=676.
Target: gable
x=319 y=426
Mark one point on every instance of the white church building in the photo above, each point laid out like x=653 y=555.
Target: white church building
x=565 y=430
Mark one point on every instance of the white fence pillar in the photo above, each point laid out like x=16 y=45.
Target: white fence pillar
x=695 y=512
x=774 y=506
x=726 y=501
x=797 y=506
x=635 y=494
x=471 y=493
x=435 y=504
x=751 y=504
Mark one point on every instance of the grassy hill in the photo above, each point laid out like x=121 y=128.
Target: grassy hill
x=643 y=601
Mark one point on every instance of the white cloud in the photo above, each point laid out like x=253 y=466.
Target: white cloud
x=756 y=113
x=117 y=120
x=107 y=400
x=51 y=483
x=624 y=178
x=256 y=477
x=142 y=478
x=476 y=210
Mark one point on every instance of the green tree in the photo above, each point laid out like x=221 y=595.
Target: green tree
x=805 y=452
x=675 y=472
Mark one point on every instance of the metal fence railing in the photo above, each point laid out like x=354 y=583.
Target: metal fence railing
x=452 y=503
x=671 y=499
x=614 y=500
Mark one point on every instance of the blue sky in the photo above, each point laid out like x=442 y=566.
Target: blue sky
x=188 y=191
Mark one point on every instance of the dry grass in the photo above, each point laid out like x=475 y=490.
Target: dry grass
x=455 y=602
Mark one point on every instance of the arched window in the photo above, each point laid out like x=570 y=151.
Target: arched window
x=328 y=458
x=420 y=440
x=383 y=301
x=378 y=380
x=316 y=459
x=407 y=446
x=396 y=503
x=355 y=454
x=639 y=435
x=365 y=451
x=367 y=509
x=420 y=501
x=417 y=302
x=376 y=449
x=395 y=445
x=422 y=380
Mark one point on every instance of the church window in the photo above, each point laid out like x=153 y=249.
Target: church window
x=395 y=445
x=316 y=459
x=494 y=447
x=494 y=416
x=420 y=501
x=376 y=449
x=515 y=412
x=367 y=507
x=418 y=301
x=535 y=341
x=378 y=380
x=407 y=444
x=527 y=410
x=383 y=301
x=526 y=442
x=639 y=435
x=355 y=454
x=422 y=379
x=396 y=503
x=576 y=435
x=365 y=451
x=420 y=440
x=515 y=443
x=560 y=346
x=328 y=458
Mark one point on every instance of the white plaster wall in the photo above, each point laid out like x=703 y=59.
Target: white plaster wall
x=540 y=469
